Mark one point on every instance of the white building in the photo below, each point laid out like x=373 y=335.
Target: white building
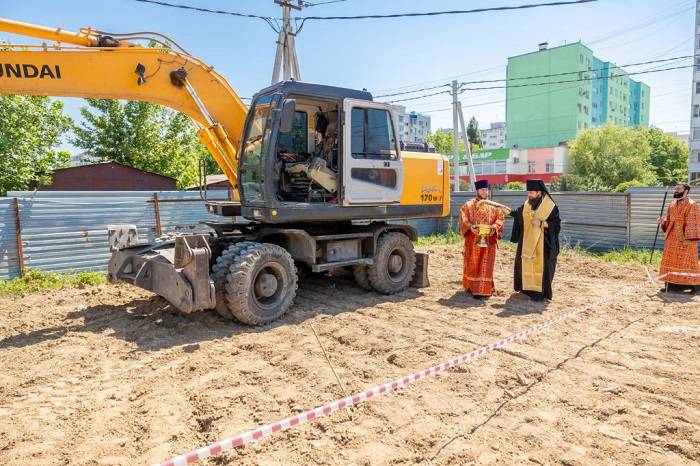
x=495 y=136
x=81 y=158
x=694 y=160
x=413 y=127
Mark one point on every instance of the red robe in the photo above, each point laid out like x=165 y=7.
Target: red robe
x=682 y=232
x=477 y=275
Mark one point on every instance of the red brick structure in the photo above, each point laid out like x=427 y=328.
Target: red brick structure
x=108 y=176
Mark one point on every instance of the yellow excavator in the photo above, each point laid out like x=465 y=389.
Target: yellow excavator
x=318 y=174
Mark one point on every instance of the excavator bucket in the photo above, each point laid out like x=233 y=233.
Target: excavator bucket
x=177 y=270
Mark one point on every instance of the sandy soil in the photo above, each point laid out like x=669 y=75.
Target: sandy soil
x=107 y=375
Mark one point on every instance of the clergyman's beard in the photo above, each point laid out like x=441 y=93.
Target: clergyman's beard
x=534 y=203
x=678 y=195
x=478 y=196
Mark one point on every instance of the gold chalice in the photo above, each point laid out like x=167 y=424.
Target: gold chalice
x=483 y=232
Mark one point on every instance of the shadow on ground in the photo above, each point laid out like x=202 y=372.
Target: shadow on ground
x=519 y=304
x=153 y=324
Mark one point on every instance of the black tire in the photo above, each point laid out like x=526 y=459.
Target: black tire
x=262 y=284
x=218 y=245
x=394 y=263
x=360 y=274
x=219 y=272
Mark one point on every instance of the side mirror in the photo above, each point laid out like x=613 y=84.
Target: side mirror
x=288 y=108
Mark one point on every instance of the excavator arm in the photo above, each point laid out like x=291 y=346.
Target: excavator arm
x=93 y=65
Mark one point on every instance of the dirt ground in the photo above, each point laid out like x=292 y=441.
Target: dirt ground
x=106 y=375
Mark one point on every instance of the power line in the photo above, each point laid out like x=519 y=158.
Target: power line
x=648 y=62
x=414 y=91
x=206 y=10
x=449 y=12
x=448 y=78
x=641 y=24
x=323 y=3
x=576 y=80
x=485 y=81
x=419 y=97
x=510 y=86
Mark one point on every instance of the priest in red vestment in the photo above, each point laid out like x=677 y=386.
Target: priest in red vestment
x=481 y=226
x=679 y=265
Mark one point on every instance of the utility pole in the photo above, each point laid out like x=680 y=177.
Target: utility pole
x=457 y=123
x=455 y=138
x=286 y=55
x=467 y=148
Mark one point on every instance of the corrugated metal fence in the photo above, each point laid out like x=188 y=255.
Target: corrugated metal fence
x=68 y=230
x=593 y=220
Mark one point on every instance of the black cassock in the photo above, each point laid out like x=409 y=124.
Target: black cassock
x=551 y=251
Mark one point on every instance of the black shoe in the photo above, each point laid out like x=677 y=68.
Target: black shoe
x=480 y=297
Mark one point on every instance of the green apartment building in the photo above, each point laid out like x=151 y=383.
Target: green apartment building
x=554 y=93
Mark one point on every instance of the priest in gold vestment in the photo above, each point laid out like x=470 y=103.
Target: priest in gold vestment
x=536 y=226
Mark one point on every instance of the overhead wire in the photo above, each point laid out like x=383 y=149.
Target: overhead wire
x=510 y=86
x=633 y=73
x=448 y=12
x=521 y=78
x=640 y=24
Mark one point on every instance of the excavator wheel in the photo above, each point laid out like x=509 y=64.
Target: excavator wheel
x=262 y=284
x=360 y=273
x=394 y=263
x=219 y=272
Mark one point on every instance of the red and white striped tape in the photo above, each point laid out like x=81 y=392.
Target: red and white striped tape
x=279 y=426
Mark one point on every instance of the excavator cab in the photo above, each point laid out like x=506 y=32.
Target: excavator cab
x=313 y=153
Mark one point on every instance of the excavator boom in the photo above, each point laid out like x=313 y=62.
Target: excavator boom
x=103 y=67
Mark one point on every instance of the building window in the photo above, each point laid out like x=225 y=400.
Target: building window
x=585 y=109
x=697 y=87
x=581 y=59
x=531 y=167
x=696 y=134
x=697 y=64
x=579 y=107
x=549 y=167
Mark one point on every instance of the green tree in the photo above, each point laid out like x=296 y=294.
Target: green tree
x=514 y=186
x=473 y=132
x=444 y=142
x=608 y=156
x=142 y=135
x=30 y=130
x=622 y=187
x=669 y=156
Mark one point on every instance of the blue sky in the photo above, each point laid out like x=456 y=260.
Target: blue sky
x=401 y=54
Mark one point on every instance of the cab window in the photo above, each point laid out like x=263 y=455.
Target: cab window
x=372 y=134
x=295 y=141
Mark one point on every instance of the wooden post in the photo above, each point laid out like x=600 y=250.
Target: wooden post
x=18 y=236
x=159 y=229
